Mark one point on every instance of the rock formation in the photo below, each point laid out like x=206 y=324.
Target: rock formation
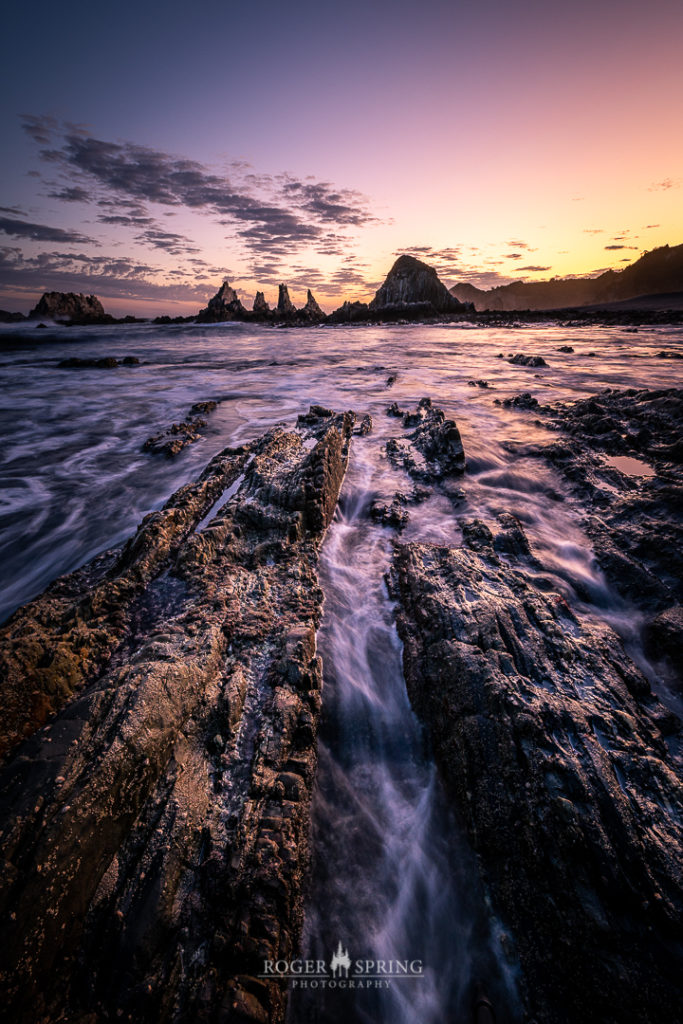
x=551 y=744
x=311 y=313
x=171 y=442
x=519 y=359
x=154 y=833
x=261 y=307
x=285 y=306
x=68 y=307
x=634 y=521
x=225 y=305
x=411 y=291
x=433 y=451
x=556 y=754
x=412 y=281
x=350 y=313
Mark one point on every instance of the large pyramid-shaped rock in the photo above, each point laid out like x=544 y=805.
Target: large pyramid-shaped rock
x=69 y=307
x=411 y=281
x=225 y=305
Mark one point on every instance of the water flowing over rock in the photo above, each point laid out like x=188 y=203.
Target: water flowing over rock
x=556 y=753
x=70 y=308
x=434 y=450
x=155 y=832
x=549 y=740
x=225 y=305
x=621 y=454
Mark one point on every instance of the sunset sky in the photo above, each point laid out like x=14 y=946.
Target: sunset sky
x=149 y=150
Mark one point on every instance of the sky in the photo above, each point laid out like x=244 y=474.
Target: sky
x=151 y=150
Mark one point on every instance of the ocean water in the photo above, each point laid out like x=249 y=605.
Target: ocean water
x=393 y=876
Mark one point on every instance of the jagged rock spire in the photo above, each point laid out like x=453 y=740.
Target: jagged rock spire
x=285 y=305
x=225 y=305
x=312 y=306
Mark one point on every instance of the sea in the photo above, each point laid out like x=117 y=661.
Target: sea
x=393 y=877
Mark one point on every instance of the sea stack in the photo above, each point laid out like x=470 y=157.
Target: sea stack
x=68 y=307
x=225 y=305
x=311 y=312
x=410 y=281
x=285 y=306
x=412 y=291
x=260 y=306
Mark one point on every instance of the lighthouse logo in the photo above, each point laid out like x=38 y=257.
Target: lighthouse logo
x=340 y=962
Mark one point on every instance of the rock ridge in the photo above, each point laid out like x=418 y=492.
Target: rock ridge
x=155 y=830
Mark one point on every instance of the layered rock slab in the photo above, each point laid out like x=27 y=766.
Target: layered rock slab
x=549 y=741
x=155 y=832
x=634 y=518
x=621 y=455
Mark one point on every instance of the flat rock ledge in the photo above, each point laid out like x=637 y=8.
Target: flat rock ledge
x=154 y=817
x=555 y=753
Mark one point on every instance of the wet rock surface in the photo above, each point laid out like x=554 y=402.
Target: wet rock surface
x=622 y=455
x=433 y=450
x=552 y=746
x=103 y=363
x=519 y=359
x=172 y=441
x=154 y=833
x=565 y=766
x=524 y=401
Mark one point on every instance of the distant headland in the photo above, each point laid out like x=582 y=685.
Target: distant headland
x=650 y=290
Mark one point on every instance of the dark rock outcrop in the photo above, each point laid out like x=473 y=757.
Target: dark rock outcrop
x=519 y=359
x=433 y=451
x=178 y=436
x=633 y=519
x=172 y=441
x=11 y=318
x=411 y=291
x=549 y=740
x=103 y=363
x=224 y=306
x=261 y=307
x=311 y=313
x=68 y=307
x=411 y=281
x=285 y=306
x=154 y=835
x=524 y=401
x=350 y=313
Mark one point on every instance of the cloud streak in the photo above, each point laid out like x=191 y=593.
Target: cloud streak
x=279 y=215
x=106 y=276
x=42 y=232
